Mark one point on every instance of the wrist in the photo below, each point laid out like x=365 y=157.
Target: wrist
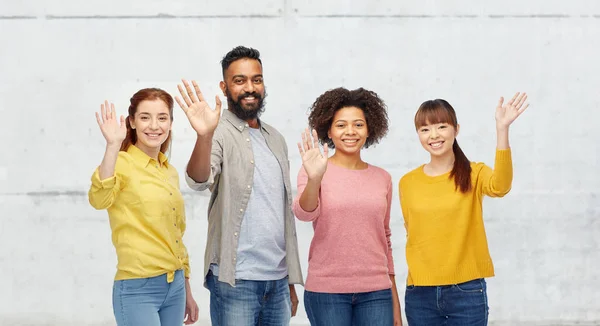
x=113 y=146
x=206 y=137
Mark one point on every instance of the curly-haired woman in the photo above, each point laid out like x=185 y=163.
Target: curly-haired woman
x=351 y=270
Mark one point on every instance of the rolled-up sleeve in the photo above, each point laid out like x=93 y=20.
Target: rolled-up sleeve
x=216 y=159
x=102 y=193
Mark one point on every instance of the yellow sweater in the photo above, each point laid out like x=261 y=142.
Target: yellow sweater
x=446 y=241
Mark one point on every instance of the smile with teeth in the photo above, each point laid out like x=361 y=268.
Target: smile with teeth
x=153 y=135
x=350 y=141
x=436 y=144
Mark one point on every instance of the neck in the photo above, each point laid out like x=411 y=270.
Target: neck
x=253 y=123
x=150 y=151
x=441 y=164
x=351 y=162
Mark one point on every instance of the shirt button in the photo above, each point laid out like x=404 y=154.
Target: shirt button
x=235 y=234
x=247 y=139
x=173 y=208
x=241 y=210
x=252 y=161
x=171 y=193
x=246 y=125
x=174 y=224
x=249 y=187
x=156 y=165
x=234 y=259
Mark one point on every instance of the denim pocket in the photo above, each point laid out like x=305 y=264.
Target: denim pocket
x=410 y=287
x=134 y=284
x=471 y=286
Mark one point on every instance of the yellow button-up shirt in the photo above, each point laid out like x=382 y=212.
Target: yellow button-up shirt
x=146 y=213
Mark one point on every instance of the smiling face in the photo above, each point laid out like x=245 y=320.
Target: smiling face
x=437 y=138
x=152 y=123
x=437 y=127
x=348 y=130
x=243 y=85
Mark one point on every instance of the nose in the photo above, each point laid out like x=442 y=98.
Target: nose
x=249 y=87
x=350 y=130
x=154 y=124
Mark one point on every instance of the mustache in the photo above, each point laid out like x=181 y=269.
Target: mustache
x=253 y=94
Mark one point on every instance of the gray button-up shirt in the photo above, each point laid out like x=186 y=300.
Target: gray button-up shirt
x=232 y=170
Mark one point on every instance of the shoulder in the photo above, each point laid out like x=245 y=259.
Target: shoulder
x=381 y=173
x=411 y=175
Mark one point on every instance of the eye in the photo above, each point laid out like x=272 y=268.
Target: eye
x=443 y=127
x=340 y=125
x=258 y=81
x=423 y=130
x=238 y=81
x=144 y=118
x=360 y=125
x=163 y=118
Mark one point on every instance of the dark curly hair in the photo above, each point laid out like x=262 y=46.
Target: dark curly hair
x=237 y=53
x=326 y=105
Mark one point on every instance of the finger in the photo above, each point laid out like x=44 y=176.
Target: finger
x=182 y=105
x=123 y=125
x=218 y=106
x=513 y=99
x=304 y=142
x=500 y=102
x=521 y=100
x=184 y=95
x=522 y=109
x=107 y=108
x=315 y=139
x=190 y=91
x=308 y=139
x=195 y=314
x=103 y=113
x=98 y=119
x=326 y=150
x=198 y=92
x=113 y=113
x=299 y=148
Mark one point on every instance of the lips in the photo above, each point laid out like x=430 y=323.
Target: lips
x=153 y=135
x=436 y=145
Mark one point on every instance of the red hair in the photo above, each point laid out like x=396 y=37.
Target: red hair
x=146 y=94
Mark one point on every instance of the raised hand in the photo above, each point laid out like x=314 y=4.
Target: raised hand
x=314 y=162
x=203 y=119
x=509 y=112
x=113 y=132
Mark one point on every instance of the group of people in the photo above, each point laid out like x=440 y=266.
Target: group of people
x=251 y=262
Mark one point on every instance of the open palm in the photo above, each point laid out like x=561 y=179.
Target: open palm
x=203 y=119
x=313 y=161
x=113 y=131
x=509 y=112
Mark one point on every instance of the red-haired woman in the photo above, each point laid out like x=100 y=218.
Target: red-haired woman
x=446 y=247
x=140 y=189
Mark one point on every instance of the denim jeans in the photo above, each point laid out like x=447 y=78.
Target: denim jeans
x=249 y=303
x=149 y=301
x=350 y=309
x=463 y=304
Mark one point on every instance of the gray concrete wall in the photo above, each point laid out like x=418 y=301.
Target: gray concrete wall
x=60 y=59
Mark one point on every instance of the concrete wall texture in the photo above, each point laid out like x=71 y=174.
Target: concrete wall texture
x=59 y=60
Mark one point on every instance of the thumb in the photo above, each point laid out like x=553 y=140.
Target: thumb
x=218 y=107
x=500 y=102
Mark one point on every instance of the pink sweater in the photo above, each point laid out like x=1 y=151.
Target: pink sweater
x=351 y=251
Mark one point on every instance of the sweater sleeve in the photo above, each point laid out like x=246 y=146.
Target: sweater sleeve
x=388 y=231
x=300 y=213
x=497 y=182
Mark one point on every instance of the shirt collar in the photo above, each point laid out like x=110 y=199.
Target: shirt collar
x=143 y=158
x=240 y=124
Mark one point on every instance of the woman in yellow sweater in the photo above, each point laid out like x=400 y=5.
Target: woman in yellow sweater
x=446 y=247
x=140 y=189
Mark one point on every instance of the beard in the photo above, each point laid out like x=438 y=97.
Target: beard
x=246 y=112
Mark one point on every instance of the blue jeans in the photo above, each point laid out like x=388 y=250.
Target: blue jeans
x=463 y=304
x=149 y=301
x=345 y=309
x=249 y=303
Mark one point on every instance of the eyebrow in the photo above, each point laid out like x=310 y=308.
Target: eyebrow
x=342 y=120
x=148 y=113
x=244 y=76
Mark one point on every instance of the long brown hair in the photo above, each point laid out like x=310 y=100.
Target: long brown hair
x=146 y=94
x=440 y=111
